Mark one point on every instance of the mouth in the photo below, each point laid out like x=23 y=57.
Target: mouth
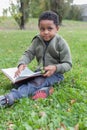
x=46 y=37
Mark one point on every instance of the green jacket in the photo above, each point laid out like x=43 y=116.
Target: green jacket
x=57 y=53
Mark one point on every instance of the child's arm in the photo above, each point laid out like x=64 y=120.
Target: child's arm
x=49 y=70
x=20 y=68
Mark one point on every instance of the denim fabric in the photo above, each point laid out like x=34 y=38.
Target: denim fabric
x=27 y=89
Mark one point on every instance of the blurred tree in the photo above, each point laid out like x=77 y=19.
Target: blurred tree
x=61 y=7
x=37 y=6
x=20 y=12
x=5 y=11
x=33 y=8
x=74 y=13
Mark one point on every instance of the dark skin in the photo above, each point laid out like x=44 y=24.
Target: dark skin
x=47 y=30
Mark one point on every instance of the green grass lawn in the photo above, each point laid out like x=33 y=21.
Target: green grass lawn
x=67 y=107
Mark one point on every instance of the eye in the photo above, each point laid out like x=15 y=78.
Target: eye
x=50 y=28
x=42 y=29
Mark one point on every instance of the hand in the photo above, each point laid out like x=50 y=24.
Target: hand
x=20 y=68
x=49 y=70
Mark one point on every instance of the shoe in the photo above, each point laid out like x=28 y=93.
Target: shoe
x=3 y=101
x=43 y=93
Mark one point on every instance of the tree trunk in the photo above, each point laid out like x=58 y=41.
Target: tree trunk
x=56 y=6
x=22 y=21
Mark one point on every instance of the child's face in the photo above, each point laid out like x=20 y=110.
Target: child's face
x=47 y=29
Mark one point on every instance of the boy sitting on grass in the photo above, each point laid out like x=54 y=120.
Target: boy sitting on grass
x=50 y=50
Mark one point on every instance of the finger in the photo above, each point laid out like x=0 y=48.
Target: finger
x=47 y=74
x=17 y=73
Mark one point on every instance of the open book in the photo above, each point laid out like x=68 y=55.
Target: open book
x=25 y=74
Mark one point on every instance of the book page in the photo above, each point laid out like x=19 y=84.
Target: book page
x=10 y=73
x=26 y=72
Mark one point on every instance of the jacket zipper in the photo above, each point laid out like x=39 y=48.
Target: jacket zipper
x=44 y=53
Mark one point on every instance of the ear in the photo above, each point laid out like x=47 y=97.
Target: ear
x=57 y=27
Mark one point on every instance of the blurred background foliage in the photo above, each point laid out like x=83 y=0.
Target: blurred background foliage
x=25 y=9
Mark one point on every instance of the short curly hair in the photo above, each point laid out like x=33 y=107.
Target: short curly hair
x=49 y=15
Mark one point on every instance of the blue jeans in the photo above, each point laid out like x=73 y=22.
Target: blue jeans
x=29 y=88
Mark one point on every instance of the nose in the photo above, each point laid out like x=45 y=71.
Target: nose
x=46 y=31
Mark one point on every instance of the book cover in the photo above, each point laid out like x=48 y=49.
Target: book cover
x=25 y=74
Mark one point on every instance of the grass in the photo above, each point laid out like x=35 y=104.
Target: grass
x=67 y=107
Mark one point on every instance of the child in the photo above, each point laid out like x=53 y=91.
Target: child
x=50 y=50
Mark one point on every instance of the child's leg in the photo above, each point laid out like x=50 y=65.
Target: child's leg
x=46 y=88
x=33 y=86
x=24 y=90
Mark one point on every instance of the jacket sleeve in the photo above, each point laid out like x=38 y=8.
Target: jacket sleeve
x=28 y=55
x=65 y=57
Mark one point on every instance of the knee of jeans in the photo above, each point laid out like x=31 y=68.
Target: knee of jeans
x=38 y=81
x=15 y=94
